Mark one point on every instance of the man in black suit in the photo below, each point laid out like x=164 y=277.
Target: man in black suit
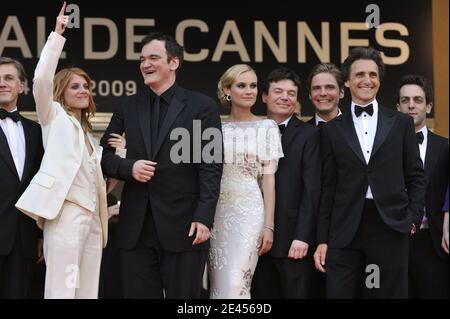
x=167 y=207
x=20 y=156
x=428 y=262
x=326 y=88
x=373 y=190
x=285 y=272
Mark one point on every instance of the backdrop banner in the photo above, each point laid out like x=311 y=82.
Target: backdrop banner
x=104 y=40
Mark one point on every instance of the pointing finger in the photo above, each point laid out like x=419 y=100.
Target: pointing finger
x=63 y=9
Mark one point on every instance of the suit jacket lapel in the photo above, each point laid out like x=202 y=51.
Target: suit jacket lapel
x=384 y=126
x=144 y=115
x=5 y=153
x=347 y=127
x=175 y=107
x=30 y=142
x=431 y=155
x=81 y=140
x=289 y=132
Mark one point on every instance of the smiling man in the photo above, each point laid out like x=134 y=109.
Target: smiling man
x=286 y=271
x=373 y=189
x=167 y=209
x=326 y=89
x=428 y=262
x=20 y=156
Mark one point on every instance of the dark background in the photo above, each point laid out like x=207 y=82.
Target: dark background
x=203 y=76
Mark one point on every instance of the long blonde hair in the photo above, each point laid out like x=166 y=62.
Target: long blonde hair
x=60 y=84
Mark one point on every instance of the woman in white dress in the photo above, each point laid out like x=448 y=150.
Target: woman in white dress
x=244 y=221
x=67 y=196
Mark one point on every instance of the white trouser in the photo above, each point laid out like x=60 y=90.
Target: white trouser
x=73 y=252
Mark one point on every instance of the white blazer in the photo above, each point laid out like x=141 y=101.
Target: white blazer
x=64 y=142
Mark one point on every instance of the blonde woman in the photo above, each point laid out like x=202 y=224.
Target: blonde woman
x=68 y=195
x=244 y=221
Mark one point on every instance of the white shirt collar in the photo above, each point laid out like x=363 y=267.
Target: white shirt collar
x=285 y=122
x=319 y=119
x=15 y=109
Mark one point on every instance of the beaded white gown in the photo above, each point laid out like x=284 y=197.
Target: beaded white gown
x=239 y=215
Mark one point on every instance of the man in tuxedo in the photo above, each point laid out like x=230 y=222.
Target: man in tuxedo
x=373 y=190
x=167 y=208
x=326 y=88
x=428 y=262
x=285 y=272
x=20 y=156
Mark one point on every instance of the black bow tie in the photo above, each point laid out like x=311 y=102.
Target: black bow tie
x=359 y=109
x=15 y=116
x=282 y=127
x=420 y=137
x=320 y=123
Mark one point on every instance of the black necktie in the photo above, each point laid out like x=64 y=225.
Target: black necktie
x=320 y=123
x=359 y=109
x=282 y=127
x=155 y=122
x=420 y=137
x=162 y=112
x=15 y=116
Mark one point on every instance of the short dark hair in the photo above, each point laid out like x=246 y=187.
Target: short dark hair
x=174 y=50
x=18 y=66
x=363 y=53
x=420 y=81
x=280 y=74
x=326 y=68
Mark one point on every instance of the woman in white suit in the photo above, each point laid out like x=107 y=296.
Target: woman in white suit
x=67 y=196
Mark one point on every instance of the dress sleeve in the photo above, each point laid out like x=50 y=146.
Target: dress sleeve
x=43 y=78
x=269 y=142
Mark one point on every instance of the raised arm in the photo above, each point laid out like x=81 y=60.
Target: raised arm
x=46 y=68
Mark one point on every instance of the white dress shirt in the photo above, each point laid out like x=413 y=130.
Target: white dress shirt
x=423 y=146
x=366 y=128
x=319 y=119
x=423 y=153
x=16 y=141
